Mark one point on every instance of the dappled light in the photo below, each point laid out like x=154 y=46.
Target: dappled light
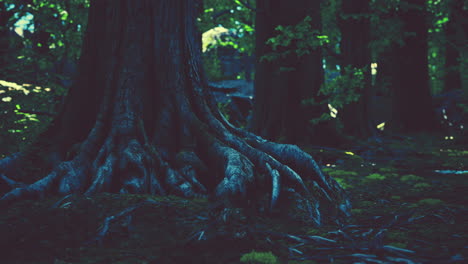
x=381 y=126
x=333 y=111
x=211 y=37
x=374 y=68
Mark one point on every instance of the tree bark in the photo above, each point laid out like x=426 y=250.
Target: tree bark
x=355 y=38
x=278 y=112
x=5 y=38
x=456 y=41
x=412 y=104
x=140 y=119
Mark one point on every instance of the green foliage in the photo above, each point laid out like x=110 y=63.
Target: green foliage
x=51 y=32
x=48 y=35
x=212 y=67
x=422 y=186
x=388 y=170
x=346 y=88
x=339 y=173
x=298 y=40
x=225 y=24
x=374 y=177
x=259 y=258
x=234 y=16
x=19 y=122
x=343 y=183
x=339 y=92
x=386 y=26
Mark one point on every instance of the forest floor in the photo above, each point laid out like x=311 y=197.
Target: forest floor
x=403 y=212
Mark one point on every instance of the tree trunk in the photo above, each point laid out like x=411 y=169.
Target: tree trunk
x=355 y=38
x=5 y=38
x=412 y=104
x=278 y=112
x=139 y=119
x=455 y=32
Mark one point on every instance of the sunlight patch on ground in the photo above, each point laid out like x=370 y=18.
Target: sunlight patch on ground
x=25 y=87
x=14 y=86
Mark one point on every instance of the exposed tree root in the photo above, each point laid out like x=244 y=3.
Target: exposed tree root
x=128 y=163
x=128 y=166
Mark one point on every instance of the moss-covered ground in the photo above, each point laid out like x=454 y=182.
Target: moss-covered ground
x=403 y=212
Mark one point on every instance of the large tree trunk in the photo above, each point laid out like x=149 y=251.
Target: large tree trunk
x=139 y=119
x=355 y=38
x=412 y=107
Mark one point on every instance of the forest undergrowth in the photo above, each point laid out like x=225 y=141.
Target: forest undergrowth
x=409 y=206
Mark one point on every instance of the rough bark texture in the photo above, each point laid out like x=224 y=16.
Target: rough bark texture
x=355 y=38
x=139 y=119
x=412 y=108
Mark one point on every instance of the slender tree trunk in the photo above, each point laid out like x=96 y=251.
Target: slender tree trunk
x=139 y=119
x=355 y=38
x=412 y=105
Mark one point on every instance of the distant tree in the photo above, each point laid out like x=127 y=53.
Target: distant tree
x=356 y=55
x=456 y=39
x=5 y=38
x=412 y=105
x=139 y=119
x=292 y=73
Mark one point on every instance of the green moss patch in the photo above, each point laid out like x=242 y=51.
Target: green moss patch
x=430 y=202
x=259 y=258
x=411 y=178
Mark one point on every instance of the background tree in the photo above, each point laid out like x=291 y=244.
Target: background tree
x=456 y=39
x=356 y=57
x=150 y=125
x=410 y=81
x=288 y=71
x=5 y=37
